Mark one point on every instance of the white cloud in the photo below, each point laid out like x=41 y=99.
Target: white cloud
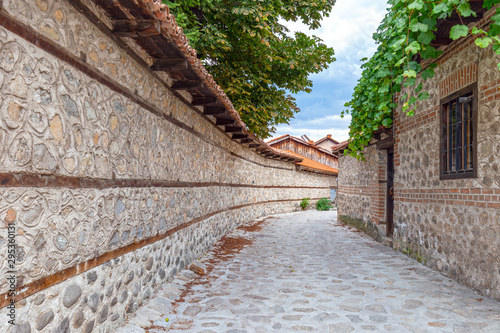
x=349 y=27
x=317 y=128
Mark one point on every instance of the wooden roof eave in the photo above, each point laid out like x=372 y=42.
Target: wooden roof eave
x=151 y=25
x=304 y=168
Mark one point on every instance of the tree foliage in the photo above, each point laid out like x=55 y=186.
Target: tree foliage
x=251 y=54
x=406 y=31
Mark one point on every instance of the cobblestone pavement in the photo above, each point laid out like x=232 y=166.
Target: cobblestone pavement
x=304 y=272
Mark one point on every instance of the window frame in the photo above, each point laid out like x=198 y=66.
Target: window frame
x=472 y=88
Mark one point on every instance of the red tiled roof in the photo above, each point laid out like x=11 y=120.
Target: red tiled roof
x=308 y=164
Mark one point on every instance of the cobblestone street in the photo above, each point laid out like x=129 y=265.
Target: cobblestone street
x=306 y=272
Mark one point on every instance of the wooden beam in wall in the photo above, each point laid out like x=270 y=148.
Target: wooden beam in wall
x=170 y=64
x=253 y=145
x=246 y=140
x=136 y=28
x=239 y=136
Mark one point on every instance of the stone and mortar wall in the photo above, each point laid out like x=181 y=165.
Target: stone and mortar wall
x=362 y=187
x=93 y=180
x=454 y=225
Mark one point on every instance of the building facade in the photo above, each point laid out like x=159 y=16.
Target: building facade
x=432 y=181
x=306 y=148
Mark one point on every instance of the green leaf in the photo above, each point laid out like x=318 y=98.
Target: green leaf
x=413 y=48
x=465 y=10
x=430 y=52
x=417 y=26
x=417 y=4
x=458 y=31
x=426 y=37
x=490 y=3
x=423 y=96
x=387 y=122
x=430 y=22
x=442 y=7
x=383 y=89
x=496 y=48
x=428 y=73
x=483 y=42
x=476 y=31
x=410 y=73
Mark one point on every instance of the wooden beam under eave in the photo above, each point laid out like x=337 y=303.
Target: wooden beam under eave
x=212 y=111
x=253 y=145
x=232 y=129
x=170 y=64
x=224 y=121
x=387 y=143
x=136 y=28
x=203 y=100
x=239 y=136
x=185 y=85
x=246 y=140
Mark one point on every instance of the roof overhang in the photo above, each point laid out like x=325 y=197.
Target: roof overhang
x=151 y=26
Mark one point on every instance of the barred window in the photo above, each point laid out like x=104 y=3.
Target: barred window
x=458 y=134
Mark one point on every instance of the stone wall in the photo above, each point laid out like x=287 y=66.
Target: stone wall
x=362 y=186
x=453 y=224
x=450 y=225
x=111 y=194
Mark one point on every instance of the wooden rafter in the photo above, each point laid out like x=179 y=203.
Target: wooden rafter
x=186 y=84
x=170 y=64
x=136 y=28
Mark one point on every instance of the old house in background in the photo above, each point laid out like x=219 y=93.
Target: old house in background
x=326 y=143
x=431 y=183
x=307 y=148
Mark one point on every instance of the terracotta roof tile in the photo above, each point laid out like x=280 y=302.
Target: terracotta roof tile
x=308 y=163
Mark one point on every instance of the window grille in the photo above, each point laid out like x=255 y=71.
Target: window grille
x=458 y=133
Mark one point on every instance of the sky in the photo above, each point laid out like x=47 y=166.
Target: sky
x=348 y=30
